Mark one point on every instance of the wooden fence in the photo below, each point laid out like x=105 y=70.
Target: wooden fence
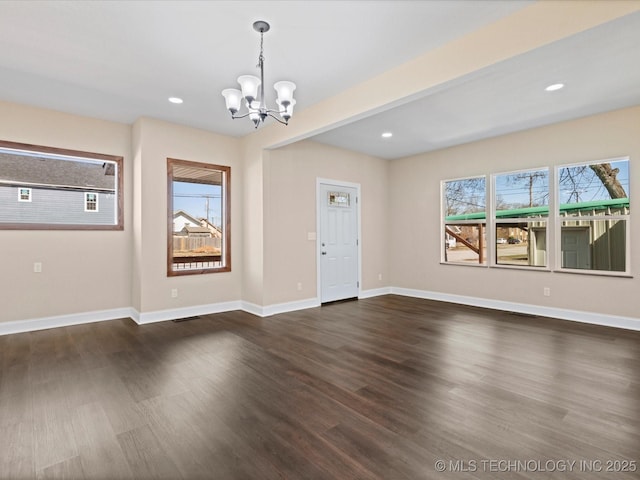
x=197 y=244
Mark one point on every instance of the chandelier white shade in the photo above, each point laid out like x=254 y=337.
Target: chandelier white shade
x=252 y=92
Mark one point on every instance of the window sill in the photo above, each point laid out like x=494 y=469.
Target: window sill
x=522 y=267
x=597 y=273
x=461 y=264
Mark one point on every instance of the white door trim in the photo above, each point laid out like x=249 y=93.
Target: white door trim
x=338 y=183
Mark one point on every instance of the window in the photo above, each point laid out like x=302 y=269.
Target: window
x=464 y=205
x=199 y=223
x=90 y=202
x=521 y=216
x=338 y=199
x=574 y=218
x=593 y=216
x=24 y=194
x=59 y=189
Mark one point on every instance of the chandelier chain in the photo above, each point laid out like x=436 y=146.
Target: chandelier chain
x=261 y=57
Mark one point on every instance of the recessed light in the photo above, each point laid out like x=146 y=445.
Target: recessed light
x=554 y=87
x=175 y=100
x=387 y=135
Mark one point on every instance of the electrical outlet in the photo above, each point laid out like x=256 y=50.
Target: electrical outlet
x=174 y=293
x=299 y=286
x=546 y=292
x=37 y=267
x=379 y=276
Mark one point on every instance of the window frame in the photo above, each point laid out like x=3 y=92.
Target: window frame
x=225 y=223
x=87 y=202
x=483 y=238
x=495 y=221
x=559 y=220
x=29 y=194
x=51 y=151
x=553 y=221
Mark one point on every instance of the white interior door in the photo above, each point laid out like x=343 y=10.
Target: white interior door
x=338 y=210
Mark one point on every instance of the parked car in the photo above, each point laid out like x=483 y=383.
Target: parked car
x=501 y=240
x=513 y=240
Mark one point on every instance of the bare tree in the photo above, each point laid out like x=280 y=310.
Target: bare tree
x=468 y=195
x=578 y=180
x=530 y=179
x=465 y=196
x=609 y=178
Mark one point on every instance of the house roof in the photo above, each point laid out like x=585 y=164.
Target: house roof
x=190 y=229
x=182 y=213
x=44 y=171
x=208 y=224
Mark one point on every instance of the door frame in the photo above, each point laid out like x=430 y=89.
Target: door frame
x=319 y=204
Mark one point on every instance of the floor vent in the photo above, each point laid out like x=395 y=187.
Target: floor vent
x=520 y=314
x=186 y=319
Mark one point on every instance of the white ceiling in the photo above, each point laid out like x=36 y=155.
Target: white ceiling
x=120 y=60
x=600 y=69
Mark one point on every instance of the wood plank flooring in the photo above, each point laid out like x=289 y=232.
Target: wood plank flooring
x=382 y=388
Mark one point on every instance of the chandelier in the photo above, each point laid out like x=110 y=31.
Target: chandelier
x=255 y=103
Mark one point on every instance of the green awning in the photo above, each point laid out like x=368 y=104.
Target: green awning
x=544 y=210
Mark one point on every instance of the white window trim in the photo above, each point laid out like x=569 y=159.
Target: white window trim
x=86 y=202
x=493 y=220
x=444 y=223
x=558 y=219
x=20 y=199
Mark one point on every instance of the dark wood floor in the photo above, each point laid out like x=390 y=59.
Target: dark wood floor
x=382 y=388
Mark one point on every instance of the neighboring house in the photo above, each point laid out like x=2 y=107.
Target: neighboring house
x=182 y=219
x=196 y=232
x=194 y=236
x=215 y=231
x=52 y=191
x=194 y=240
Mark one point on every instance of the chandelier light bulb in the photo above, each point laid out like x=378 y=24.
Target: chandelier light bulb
x=286 y=112
x=249 y=85
x=285 y=91
x=233 y=98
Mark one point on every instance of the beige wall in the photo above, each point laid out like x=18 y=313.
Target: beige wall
x=92 y=271
x=130 y=269
x=252 y=206
x=290 y=175
x=415 y=215
x=81 y=271
x=155 y=142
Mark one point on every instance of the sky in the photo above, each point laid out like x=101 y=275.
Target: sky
x=192 y=198
x=512 y=192
x=588 y=186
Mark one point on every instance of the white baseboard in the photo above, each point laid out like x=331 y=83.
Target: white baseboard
x=277 y=308
x=31 y=325
x=260 y=311
x=143 y=318
x=252 y=308
x=628 y=323
x=375 y=292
